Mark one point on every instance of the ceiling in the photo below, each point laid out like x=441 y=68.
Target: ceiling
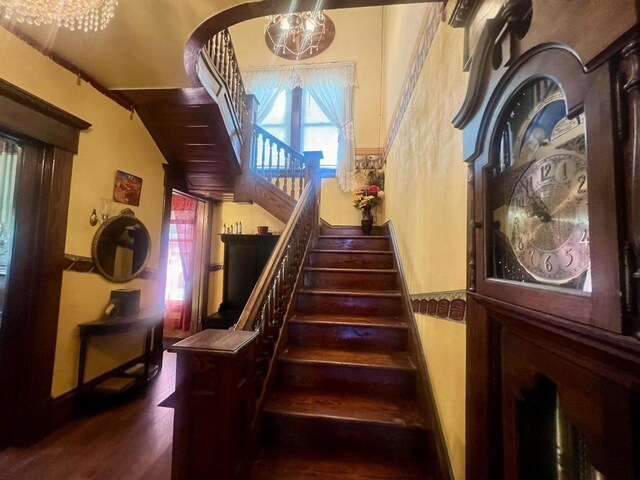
x=144 y=45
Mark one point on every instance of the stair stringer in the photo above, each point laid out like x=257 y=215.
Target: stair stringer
x=252 y=188
x=424 y=387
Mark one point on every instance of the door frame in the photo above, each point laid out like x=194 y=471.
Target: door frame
x=174 y=183
x=49 y=137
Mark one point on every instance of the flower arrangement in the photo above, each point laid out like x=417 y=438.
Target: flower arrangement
x=369 y=194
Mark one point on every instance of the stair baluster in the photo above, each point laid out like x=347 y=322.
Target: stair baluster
x=286 y=173
x=270 y=168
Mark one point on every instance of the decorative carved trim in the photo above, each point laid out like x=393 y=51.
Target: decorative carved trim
x=81 y=74
x=80 y=264
x=485 y=46
x=461 y=12
x=369 y=162
x=516 y=16
x=471 y=234
x=631 y=57
x=451 y=305
x=427 y=35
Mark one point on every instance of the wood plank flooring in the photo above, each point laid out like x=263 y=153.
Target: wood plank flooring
x=128 y=442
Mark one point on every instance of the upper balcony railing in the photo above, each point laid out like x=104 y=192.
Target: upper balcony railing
x=219 y=53
x=277 y=162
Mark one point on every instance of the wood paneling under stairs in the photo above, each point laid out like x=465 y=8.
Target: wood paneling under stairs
x=344 y=404
x=189 y=129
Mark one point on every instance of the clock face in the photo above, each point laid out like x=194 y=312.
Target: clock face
x=539 y=192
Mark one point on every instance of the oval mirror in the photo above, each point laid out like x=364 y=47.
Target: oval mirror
x=121 y=247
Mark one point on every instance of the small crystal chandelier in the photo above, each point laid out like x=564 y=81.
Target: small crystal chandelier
x=295 y=34
x=72 y=14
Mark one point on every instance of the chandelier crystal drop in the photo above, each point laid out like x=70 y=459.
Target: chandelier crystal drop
x=297 y=34
x=84 y=15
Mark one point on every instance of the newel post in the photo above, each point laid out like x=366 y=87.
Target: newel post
x=214 y=405
x=312 y=174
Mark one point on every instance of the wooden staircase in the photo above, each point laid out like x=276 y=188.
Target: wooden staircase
x=344 y=402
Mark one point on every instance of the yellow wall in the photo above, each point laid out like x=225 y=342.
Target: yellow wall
x=444 y=346
x=397 y=51
x=336 y=206
x=358 y=39
x=426 y=201
x=114 y=142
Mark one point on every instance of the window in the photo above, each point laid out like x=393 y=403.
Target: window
x=296 y=119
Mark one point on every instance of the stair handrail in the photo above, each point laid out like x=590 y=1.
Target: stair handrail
x=285 y=168
x=270 y=300
x=218 y=51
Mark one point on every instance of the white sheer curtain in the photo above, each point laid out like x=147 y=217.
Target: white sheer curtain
x=266 y=85
x=331 y=86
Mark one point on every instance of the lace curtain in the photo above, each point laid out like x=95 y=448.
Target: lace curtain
x=9 y=155
x=331 y=86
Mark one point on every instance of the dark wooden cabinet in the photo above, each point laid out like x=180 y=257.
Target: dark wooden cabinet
x=244 y=259
x=551 y=128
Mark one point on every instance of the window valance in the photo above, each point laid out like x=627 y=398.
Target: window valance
x=338 y=74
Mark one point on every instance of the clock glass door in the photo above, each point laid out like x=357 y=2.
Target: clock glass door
x=539 y=192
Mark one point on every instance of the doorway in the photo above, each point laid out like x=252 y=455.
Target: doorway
x=187 y=265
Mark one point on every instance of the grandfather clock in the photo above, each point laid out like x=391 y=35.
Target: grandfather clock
x=551 y=128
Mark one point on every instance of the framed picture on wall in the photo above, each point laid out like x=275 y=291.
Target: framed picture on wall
x=127 y=189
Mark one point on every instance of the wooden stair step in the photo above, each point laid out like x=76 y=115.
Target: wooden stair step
x=350 y=320
x=321 y=405
x=349 y=302
x=393 y=360
x=350 y=258
x=385 y=374
x=354 y=230
x=354 y=242
x=301 y=464
x=349 y=278
x=364 y=334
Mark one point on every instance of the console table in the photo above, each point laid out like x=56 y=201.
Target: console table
x=151 y=323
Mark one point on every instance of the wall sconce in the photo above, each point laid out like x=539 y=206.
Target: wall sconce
x=105 y=206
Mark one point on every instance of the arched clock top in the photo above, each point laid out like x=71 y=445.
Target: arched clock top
x=550 y=62
x=522 y=27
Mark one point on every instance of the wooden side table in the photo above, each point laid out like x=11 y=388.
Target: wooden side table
x=151 y=323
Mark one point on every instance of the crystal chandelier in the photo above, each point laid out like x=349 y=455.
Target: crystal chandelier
x=72 y=14
x=295 y=34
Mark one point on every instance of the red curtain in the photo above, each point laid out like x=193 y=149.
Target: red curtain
x=183 y=218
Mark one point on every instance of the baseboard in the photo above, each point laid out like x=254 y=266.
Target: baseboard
x=62 y=410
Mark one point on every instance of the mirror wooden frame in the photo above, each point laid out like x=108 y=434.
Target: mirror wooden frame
x=126 y=213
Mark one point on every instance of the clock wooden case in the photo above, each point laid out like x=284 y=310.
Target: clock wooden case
x=551 y=128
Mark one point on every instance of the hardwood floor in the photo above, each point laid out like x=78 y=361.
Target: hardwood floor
x=129 y=442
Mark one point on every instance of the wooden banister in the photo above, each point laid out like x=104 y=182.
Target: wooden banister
x=268 y=306
x=219 y=53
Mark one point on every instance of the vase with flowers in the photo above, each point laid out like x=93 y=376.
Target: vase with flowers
x=365 y=199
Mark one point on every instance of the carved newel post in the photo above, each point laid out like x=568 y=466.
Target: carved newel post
x=214 y=405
